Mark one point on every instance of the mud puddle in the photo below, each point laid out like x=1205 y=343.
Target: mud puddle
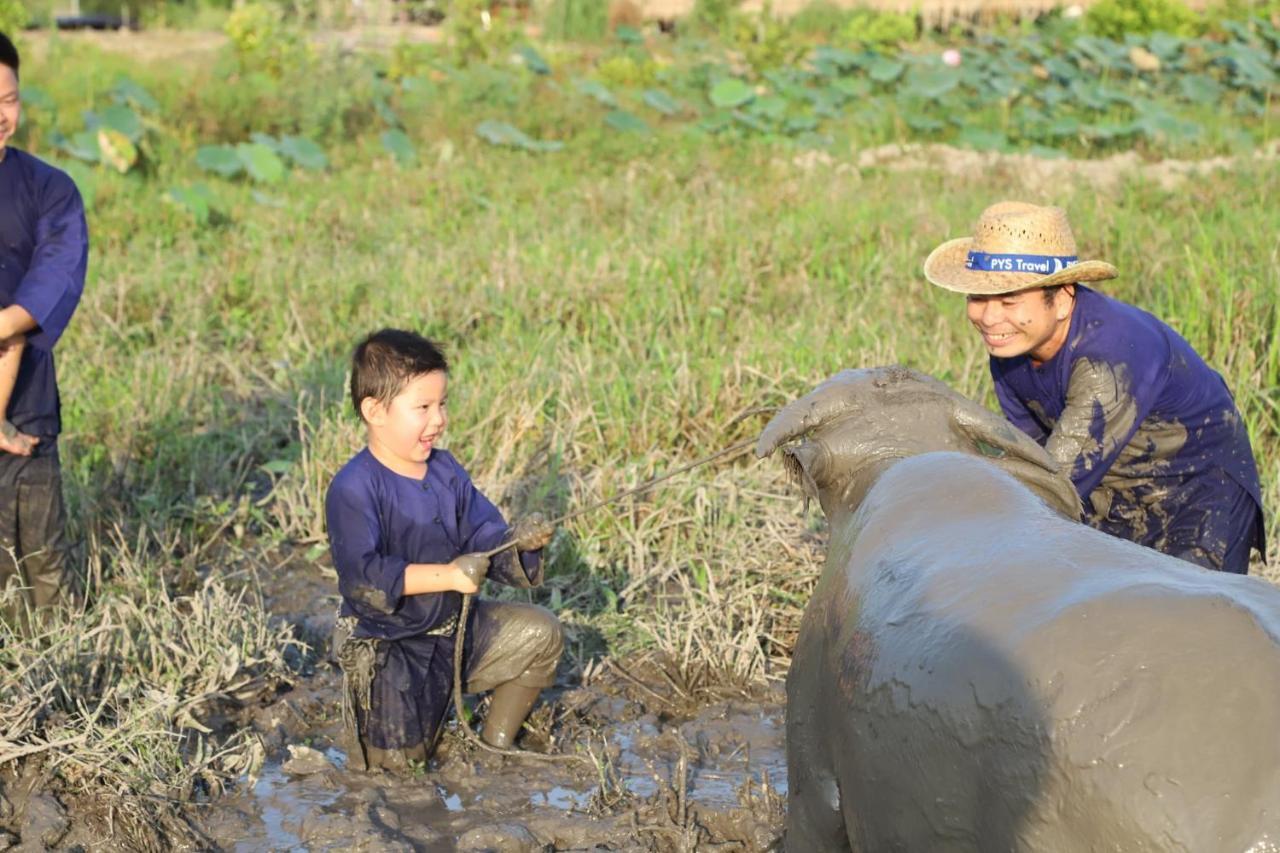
x=652 y=779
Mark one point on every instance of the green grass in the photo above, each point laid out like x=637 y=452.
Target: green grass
x=609 y=310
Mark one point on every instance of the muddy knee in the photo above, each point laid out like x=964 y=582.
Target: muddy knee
x=546 y=644
x=522 y=643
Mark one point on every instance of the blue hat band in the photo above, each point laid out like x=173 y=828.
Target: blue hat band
x=1036 y=264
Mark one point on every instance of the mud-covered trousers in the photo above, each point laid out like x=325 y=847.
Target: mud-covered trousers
x=1210 y=521
x=32 y=536
x=410 y=693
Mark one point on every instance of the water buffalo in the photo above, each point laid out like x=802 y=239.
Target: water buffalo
x=979 y=671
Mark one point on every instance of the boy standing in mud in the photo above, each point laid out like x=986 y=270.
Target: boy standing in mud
x=406 y=528
x=1149 y=433
x=44 y=250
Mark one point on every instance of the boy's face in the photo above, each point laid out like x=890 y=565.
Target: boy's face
x=10 y=105
x=406 y=429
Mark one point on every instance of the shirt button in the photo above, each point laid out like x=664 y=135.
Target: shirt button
x=436 y=520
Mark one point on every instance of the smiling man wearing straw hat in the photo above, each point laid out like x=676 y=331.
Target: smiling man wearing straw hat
x=1149 y=433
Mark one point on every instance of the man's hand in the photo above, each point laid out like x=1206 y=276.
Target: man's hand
x=473 y=568
x=533 y=532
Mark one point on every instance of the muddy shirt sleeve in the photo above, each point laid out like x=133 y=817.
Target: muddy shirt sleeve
x=1104 y=408
x=371 y=581
x=51 y=286
x=483 y=527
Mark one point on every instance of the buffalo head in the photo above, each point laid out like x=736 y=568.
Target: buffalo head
x=860 y=421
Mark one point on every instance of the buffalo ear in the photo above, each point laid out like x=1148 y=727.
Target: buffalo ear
x=994 y=438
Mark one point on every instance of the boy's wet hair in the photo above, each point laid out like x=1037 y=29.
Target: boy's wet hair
x=388 y=360
x=8 y=53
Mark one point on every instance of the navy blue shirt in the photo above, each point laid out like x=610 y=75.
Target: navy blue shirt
x=1149 y=433
x=380 y=522
x=44 y=252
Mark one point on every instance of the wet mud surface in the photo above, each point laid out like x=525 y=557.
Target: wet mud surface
x=654 y=774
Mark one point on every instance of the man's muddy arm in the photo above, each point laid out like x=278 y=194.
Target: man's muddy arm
x=1104 y=409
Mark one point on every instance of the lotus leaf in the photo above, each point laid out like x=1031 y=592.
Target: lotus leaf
x=826 y=102
x=304 y=152
x=730 y=92
x=596 y=90
x=126 y=91
x=262 y=164
x=656 y=99
x=999 y=85
x=533 y=60
x=770 y=108
x=982 y=139
x=749 y=121
x=83 y=146
x=1104 y=53
x=921 y=123
x=1250 y=68
x=503 y=134
x=835 y=61
x=195 y=199
x=1063 y=126
x=123 y=120
x=1156 y=123
x=930 y=83
x=626 y=122
x=267 y=140
x=800 y=124
x=716 y=122
x=882 y=69
x=855 y=88
x=384 y=111
x=1089 y=94
x=1060 y=69
x=629 y=35
x=1051 y=96
x=1167 y=48
x=398 y=144
x=219 y=159
x=265 y=200
x=37 y=98
x=1200 y=89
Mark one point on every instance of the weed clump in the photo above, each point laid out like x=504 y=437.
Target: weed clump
x=120 y=701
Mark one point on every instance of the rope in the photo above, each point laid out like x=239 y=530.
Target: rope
x=460 y=637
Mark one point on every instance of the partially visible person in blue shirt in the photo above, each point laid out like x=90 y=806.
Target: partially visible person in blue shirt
x=1149 y=433
x=44 y=250
x=407 y=531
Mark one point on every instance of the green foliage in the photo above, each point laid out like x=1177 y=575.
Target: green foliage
x=766 y=41
x=869 y=27
x=1115 y=19
x=712 y=16
x=398 y=144
x=13 y=18
x=627 y=71
x=577 y=20
x=263 y=41
x=821 y=19
x=478 y=33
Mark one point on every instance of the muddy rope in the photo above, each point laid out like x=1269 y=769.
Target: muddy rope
x=461 y=635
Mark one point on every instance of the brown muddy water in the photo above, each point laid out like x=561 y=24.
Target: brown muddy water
x=662 y=774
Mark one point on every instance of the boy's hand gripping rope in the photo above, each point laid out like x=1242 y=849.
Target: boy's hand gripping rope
x=461 y=636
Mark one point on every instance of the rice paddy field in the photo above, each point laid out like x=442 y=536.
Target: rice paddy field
x=629 y=249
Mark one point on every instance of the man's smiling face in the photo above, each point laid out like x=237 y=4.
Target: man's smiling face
x=1029 y=322
x=10 y=105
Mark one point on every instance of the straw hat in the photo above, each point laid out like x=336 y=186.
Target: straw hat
x=1015 y=246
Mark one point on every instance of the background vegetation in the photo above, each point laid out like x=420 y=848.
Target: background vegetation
x=625 y=247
